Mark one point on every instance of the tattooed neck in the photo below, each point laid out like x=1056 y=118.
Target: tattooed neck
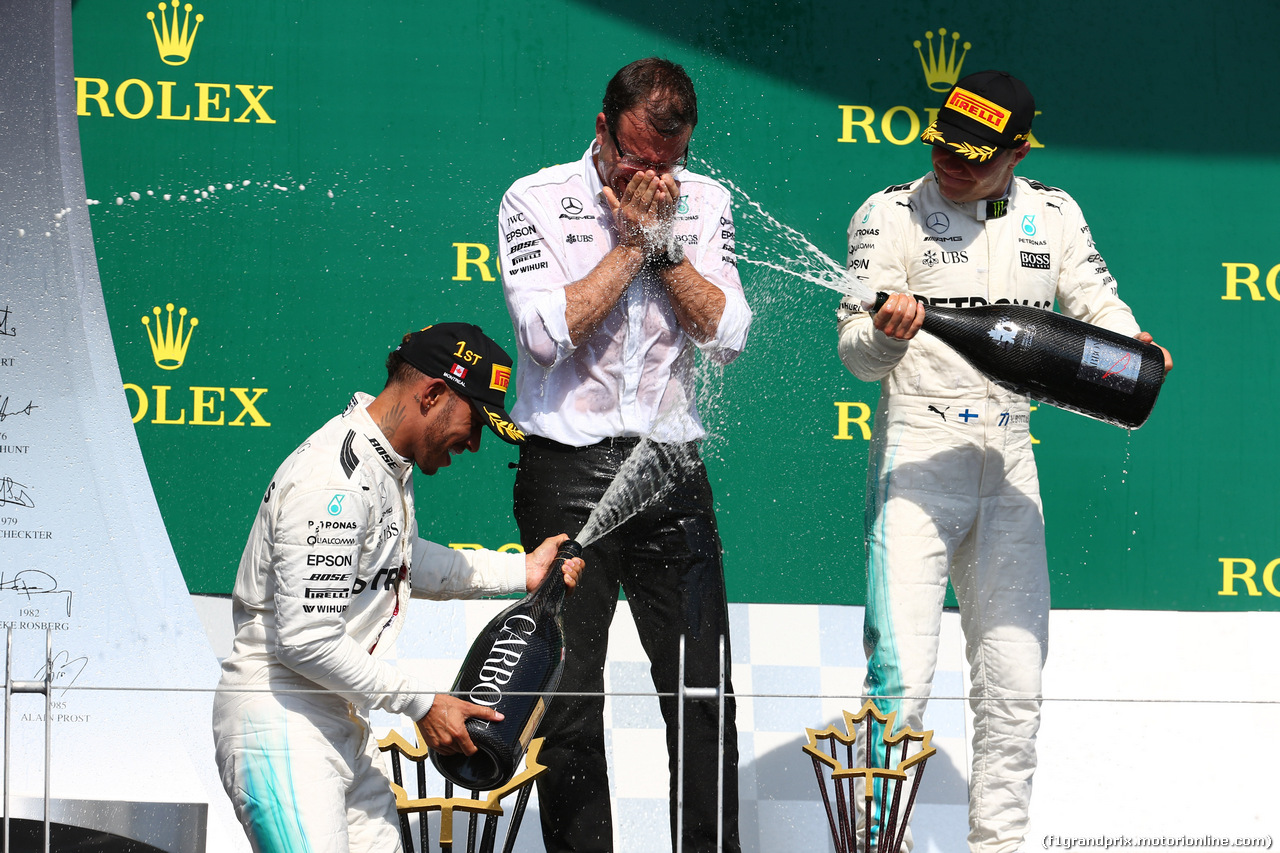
x=392 y=420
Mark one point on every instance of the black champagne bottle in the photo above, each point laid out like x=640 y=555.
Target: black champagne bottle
x=1054 y=358
x=520 y=651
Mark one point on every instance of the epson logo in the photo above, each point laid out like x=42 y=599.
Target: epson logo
x=520 y=232
x=334 y=560
x=503 y=657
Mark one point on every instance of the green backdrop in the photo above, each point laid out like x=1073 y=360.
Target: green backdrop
x=308 y=181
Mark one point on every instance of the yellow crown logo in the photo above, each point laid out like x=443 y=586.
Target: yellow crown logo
x=167 y=348
x=941 y=71
x=174 y=43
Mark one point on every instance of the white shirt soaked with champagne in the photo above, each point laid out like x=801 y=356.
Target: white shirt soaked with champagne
x=634 y=375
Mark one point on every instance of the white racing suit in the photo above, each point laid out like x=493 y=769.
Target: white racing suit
x=322 y=589
x=951 y=481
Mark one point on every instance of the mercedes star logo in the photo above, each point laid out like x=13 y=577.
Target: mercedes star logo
x=937 y=223
x=571 y=205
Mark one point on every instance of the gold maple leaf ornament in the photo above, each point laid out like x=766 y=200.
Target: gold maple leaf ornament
x=890 y=767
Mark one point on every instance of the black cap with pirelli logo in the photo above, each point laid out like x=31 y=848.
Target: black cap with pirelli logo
x=983 y=114
x=473 y=364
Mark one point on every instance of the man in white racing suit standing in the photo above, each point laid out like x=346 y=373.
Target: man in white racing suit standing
x=322 y=591
x=951 y=485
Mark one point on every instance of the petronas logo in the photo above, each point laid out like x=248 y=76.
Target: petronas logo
x=173 y=41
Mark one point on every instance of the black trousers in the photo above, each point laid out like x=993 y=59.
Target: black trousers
x=667 y=559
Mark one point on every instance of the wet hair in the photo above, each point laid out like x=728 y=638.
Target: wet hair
x=400 y=371
x=665 y=90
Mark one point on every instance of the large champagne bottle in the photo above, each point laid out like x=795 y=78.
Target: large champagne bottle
x=1062 y=361
x=520 y=651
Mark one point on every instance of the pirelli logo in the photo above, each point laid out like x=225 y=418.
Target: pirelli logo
x=501 y=378
x=978 y=108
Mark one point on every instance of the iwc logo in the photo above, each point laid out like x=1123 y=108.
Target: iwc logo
x=170 y=342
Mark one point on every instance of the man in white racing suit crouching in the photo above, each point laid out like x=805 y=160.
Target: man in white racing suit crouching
x=323 y=588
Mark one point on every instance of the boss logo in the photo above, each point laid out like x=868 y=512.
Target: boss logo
x=1035 y=260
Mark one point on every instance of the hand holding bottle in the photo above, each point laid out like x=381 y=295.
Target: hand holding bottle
x=539 y=560
x=1146 y=338
x=900 y=317
x=444 y=728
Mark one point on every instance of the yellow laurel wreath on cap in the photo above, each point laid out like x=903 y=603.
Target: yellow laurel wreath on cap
x=931 y=134
x=506 y=427
x=973 y=152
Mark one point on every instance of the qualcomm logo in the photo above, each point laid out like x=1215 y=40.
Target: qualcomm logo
x=169 y=347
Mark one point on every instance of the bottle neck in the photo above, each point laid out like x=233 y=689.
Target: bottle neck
x=552 y=589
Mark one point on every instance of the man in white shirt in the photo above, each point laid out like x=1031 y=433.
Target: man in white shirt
x=616 y=268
